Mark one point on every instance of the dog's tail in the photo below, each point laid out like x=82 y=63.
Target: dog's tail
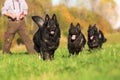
x=38 y=20
x=104 y=40
x=101 y=36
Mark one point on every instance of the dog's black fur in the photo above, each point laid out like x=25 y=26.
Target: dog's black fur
x=46 y=39
x=95 y=37
x=19 y=41
x=76 y=39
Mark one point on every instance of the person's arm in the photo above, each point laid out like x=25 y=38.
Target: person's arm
x=5 y=9
x=10 y=15
x=24 y=9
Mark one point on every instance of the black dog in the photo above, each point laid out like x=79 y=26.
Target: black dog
x=46 y=39
x=76 y=39
x=95 y=37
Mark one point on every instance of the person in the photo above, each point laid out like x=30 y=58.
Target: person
x=16 y=10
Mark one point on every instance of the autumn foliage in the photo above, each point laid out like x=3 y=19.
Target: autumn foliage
x=64 y=14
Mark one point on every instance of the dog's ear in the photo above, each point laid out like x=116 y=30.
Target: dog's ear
x=47 y=17
x=95 y=28
x=94 y=25
x=78 y=26
x=89 y=26
x=55 y=18
x=71 y=25
x=38 y=20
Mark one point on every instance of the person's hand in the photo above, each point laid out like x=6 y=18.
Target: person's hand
x=22 y=15
x=13 y=16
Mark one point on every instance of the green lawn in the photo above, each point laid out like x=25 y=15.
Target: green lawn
x=103 y=64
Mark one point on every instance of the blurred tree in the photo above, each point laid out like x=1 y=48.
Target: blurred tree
x=40 y=6
x=105 y=8
x=108 y=10
x=94 y=4
x=37 y=7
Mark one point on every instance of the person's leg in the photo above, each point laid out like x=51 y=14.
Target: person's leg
x=9 y=35
x=25 y=37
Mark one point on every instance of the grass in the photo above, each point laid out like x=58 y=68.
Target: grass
x=103 y=64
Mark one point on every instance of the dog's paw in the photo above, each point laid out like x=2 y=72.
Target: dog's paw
x=39 y=57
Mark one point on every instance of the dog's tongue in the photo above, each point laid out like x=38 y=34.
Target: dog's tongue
x=91 y=38
x=73 y=37
x=52 y=32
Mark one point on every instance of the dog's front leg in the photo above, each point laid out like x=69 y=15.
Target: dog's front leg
x=46 y=56
x=39 y=56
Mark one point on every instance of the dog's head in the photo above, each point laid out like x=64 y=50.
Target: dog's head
x=51 y=24
x=74 y=32
x=92 y=32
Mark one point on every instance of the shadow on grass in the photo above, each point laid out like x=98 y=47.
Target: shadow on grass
x=20 y=53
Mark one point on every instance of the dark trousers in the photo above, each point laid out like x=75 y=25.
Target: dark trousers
x=20 y=28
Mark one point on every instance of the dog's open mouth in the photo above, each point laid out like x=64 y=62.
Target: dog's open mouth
x=91 y=37
x=52 y=32
x=73 y=37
